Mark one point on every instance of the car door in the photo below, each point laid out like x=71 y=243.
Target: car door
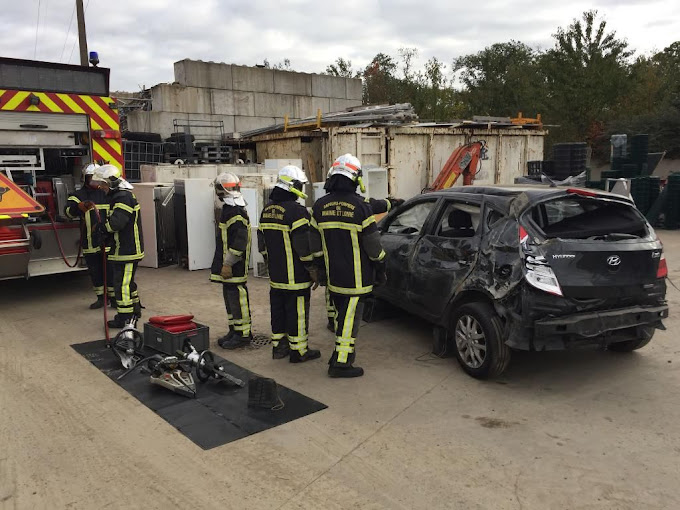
x=445 y=254
x=399 y=234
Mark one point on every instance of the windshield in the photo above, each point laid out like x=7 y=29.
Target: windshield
x=584 y=217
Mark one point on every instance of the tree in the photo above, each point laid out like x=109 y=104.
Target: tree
x=586 y=75
x=284 y=65
x=380 y=84
x=501 y=80
x=342 y=68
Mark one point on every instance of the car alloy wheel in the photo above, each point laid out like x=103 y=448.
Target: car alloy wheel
x=470 y=341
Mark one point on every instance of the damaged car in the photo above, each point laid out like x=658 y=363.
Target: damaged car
x=501 y=268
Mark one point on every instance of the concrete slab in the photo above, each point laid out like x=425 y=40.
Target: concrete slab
x=338 y=105
x=581 y=429
x=178 y=98
x=196 y=73
x=247 y=123
x=227 y=121
x=354 y=89
x=252 y=79
x=232 y=102
x=287 y=82
x=154 y=122
x=274 y=105
x=328 y=86
x=308 y=106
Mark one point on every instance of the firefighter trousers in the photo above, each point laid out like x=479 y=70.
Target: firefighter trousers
x=95 y=267
x=330 y=309
x=238 y=307
x=124 y=286
x=349 y=310
x=290 y=317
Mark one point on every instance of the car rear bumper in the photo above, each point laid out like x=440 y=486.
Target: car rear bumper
x=594 y=324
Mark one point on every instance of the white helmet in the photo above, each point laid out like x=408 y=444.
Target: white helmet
x=350 y=167
x=112 y=176
x=228 y=189
x=89 y=169
x=292 y=178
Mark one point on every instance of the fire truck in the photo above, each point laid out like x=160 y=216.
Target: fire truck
x=54 y=120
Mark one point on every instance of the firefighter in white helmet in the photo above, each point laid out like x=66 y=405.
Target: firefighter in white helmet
x=82 y=205
x=345 y=232
x=231 y=261
x=123 y=228
x=283 y=239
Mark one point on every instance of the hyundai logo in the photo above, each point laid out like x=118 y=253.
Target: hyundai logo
x=613 y=260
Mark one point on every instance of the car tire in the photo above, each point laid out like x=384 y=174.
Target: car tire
x=645 y=336
x=468 y=322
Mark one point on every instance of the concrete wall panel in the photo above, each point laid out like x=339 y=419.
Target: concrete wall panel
x=328 y=86
x=338 y=105
x=247 y=123
x=252 y=79
x=154 y=122
x=230 y=102
x=178 y=98
x=286 y=82
x=196 y=73
x=307 y=106
x=353 y=89
x=274 y=105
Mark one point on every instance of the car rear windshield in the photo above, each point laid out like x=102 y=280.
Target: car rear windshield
x=584 y=217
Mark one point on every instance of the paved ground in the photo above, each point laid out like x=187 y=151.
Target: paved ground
x=560 y=430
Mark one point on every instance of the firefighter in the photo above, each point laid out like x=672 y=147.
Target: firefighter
x=83 y=204
x=283 y=239
x=231 y=261
x=123 y=228
x=346 y=232
x=378 y=206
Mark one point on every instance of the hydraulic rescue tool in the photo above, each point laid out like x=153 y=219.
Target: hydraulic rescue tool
x=171 y=372
x=206 y=368
x=127 y=344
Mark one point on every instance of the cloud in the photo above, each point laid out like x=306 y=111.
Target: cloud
x=139 y=40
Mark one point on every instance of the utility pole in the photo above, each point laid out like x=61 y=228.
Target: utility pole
x=82 y=36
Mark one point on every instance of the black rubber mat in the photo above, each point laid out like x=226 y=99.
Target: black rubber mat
x=220 y=413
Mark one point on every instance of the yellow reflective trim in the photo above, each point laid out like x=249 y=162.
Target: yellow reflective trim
x=389 y=205
x=318 y=254
x=138 y=242
x=300 y=223
x=97 y=109
x=339 y=224
x=351 y=292
x=368 y=221
x=44 y=99
x=15 y=101
x=245 y=309
x=126 y=258
x=125 y=287
x=314 y=224
x=225 y=244
x=233 y=220
x=88 y=230
x=73 y=198
x=274 y=226
x=309 y=258
x=302 y=326
x=290 y=286
x=348 y=325
x=278 y=336
x=356 y=253
x=290 y=269
x=380 y=257
x=125 y=207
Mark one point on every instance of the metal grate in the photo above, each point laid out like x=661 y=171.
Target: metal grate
x=260 y=341
x=136 y=153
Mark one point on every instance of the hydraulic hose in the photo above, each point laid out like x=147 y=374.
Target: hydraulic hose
x=61 y=248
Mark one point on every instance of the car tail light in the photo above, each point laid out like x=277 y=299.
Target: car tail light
x=662 y=271
x=540 y=275
x=523 y=235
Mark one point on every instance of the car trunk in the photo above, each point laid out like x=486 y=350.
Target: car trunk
x=598 y=248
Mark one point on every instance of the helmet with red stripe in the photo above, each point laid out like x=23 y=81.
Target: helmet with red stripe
x=348 y=166
x=228 y=189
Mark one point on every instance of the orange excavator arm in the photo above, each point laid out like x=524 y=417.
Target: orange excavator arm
x=464 y=160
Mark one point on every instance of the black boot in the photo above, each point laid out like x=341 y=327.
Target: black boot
x=337 y=369
x=112 y=302
x=138 y=310
x=281 y=351
x=234 y=341
x=120 y=320
x=331 y=324
x=97 y=304
x=296 y=357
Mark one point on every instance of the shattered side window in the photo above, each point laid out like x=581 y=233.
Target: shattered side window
x=411 y=220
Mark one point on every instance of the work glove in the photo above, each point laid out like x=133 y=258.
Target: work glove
x=395 y=202
x=86 y=206
x=380 y=275
x=226 y=272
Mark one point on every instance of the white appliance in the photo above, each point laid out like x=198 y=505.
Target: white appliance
x=195 y=221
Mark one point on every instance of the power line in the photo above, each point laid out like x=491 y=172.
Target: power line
x=68 y=32
x=74 y=42
x=37 y=24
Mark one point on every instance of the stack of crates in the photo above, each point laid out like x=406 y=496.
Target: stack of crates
x=672 y=206
x=645 y=191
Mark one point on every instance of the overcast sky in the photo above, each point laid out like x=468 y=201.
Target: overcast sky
x=140 y=39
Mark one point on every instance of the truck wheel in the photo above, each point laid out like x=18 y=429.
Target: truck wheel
x=644 y=336
x=478 y=340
